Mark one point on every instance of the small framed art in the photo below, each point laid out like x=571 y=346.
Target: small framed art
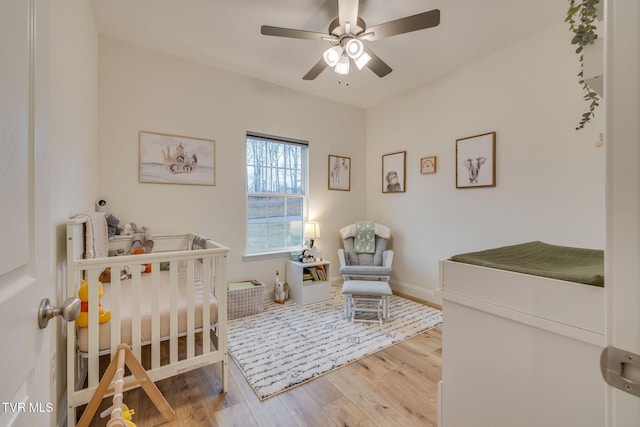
x=428 y=165
x=175 y=159
x=339 y=173
x=393 y=172
x=476 y=161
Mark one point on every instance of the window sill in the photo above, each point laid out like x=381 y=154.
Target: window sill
x=266 y=255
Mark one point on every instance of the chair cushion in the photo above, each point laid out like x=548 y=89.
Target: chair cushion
x=353 y=258
x=365 y=270
x=351 y=255
x=366 y=287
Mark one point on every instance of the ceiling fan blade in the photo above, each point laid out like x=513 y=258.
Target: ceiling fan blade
x=315 y=70
x=268 y=30
x=405 y=25
x=348 y=12
x=377 y=65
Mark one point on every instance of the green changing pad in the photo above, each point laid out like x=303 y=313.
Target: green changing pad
x=542 y=259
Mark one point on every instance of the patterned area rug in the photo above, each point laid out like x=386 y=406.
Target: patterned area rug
x=287 y=345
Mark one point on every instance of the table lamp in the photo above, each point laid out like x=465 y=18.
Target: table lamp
x=311 y=232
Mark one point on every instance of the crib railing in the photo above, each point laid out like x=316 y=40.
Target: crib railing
x=203 y=268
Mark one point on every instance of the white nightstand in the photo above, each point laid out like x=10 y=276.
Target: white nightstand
x=309 y=282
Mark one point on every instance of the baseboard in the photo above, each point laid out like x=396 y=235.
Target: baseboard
x=428 y=295
x=270 y=295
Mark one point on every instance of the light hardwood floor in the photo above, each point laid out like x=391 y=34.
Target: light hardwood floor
x=393 y=387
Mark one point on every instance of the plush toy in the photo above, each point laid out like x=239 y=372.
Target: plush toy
x=125 y=412
x=141 y=251
x=126 y=415
x=306 y=256
x=142 y=239
x=105 y=276
x=83 y=293
x=112 y=225
x=280 y=289
x=129 y=228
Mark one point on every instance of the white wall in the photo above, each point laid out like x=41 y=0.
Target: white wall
x=550 y=178
x=73 y=142
x=141 y=89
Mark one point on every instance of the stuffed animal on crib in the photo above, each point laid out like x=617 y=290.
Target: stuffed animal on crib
x=112 y=226
x=141 y=251
x=129 y=228
x=83 y=293
x=281 y=289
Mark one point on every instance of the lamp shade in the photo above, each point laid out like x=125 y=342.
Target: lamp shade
x=342 y=67
x=332 y=55
x=354 y=48
x=362 y=60
x=312 y=230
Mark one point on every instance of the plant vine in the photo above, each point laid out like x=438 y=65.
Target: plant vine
x=581 y=18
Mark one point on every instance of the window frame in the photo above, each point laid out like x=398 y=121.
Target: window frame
x=303 y=195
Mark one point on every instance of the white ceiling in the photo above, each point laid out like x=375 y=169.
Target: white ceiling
x=226 y=34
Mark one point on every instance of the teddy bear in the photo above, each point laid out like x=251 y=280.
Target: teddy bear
x=112 y=225
x=281 y=289
x=83 y=293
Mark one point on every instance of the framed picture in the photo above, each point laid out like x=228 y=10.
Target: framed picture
x=393 y=172
x=476 y=161
x=339 y=173
x=175 y=159
x=428 y=165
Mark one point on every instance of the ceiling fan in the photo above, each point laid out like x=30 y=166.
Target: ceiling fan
x=346 y=34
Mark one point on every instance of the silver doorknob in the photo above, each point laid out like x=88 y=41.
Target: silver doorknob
x=69 y=311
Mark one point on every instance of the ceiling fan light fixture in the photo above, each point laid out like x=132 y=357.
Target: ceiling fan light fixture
x=332 y=55
x=354 y=48
x=362 y=60
x=342 y=67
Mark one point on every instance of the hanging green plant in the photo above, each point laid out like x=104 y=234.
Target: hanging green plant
x=581 y=17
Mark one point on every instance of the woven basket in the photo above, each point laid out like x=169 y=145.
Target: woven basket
x=244 y=299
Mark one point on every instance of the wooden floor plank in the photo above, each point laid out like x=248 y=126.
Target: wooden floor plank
x=270 y=413
x=344 y=412
x=303 y=409
x=368 y=399
x=322 y=391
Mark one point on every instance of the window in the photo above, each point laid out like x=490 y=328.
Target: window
x=276 y=193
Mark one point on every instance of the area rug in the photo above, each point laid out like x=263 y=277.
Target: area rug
x=287 y=345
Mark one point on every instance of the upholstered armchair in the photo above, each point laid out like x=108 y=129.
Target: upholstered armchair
x=365 y=254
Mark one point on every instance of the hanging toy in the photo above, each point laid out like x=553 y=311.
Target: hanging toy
x=125 y=412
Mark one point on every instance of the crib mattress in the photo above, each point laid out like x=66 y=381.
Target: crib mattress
x=146 y=309
x=577 y=265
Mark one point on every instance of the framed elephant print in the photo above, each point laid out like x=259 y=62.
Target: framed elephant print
x=476 y=161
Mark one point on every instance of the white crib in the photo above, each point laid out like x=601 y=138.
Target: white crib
x=149 y=308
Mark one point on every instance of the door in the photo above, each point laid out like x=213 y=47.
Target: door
x=25 y=373
x=622 y=98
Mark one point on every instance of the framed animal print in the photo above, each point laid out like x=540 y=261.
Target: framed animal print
x=394 y=172
x=339 y=173
x=175 y=159
x=476 y=161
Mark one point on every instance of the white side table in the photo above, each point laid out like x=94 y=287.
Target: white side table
x=309 y=282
